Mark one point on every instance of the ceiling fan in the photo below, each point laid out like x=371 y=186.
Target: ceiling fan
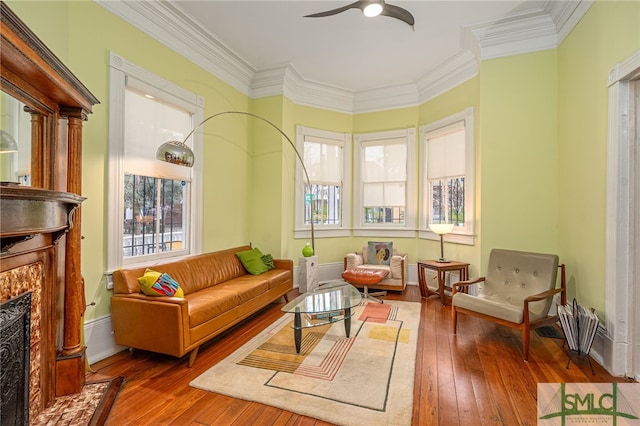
x=371 y=8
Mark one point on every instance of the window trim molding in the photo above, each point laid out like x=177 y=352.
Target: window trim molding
x=386 y=230
x=302 y=231
x=119 y=69
x=467 y=237
x=621 y=249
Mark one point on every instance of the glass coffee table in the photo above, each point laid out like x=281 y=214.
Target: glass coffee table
x=329 y=303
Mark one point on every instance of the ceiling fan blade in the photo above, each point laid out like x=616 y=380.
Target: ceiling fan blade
x=398 y=13
x=355 y=5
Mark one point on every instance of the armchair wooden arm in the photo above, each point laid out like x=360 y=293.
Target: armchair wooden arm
x=467 y=283
x=542 y=296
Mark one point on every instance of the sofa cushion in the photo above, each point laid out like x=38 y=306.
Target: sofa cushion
x=246 y=287
x=210 y=302
x=154 y=283
x=252 y=261
x=379 y=253
x=276 y=277
x=214 y=268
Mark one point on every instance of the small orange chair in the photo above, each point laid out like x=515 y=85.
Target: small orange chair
x=361 y=277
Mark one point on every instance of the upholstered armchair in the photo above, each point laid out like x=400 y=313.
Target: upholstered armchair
x=516 y=292
x=396 y=277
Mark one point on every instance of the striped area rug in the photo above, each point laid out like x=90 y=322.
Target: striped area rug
x=364 y=379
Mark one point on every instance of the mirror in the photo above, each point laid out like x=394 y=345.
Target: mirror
x=15 y=151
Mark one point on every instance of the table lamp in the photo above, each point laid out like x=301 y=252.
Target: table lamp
x=441 y=229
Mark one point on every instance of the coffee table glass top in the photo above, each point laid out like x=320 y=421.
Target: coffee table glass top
x=333 y=296
x=328 y=303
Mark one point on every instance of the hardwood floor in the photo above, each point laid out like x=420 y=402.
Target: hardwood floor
x=477 y=377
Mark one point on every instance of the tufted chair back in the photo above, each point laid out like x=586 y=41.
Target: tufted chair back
x=513 y=276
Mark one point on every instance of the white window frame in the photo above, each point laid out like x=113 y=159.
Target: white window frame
x=343 y=140
x=621 y=341
x=407 y=229
x=464 y=234
x=119 y=70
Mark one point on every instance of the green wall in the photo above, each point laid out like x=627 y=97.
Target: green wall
x=518 y=148
x=69 y=29
x=608 y=34
x=541 y=128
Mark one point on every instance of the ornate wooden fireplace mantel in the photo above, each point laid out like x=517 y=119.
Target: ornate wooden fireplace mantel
x=40 y=226
x=27 y=212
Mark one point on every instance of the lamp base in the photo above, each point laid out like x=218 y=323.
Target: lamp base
x=443 y=260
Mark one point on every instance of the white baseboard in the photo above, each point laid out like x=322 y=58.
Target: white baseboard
x=598 y=347
x=98 y=337
x=613 y=354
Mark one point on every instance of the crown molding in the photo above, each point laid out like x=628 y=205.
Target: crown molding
x=566 y=15
x=168 y=25
x=285 y=80
x=526 y=32
x=383 y=98
x=449 y=74
x=529 y=31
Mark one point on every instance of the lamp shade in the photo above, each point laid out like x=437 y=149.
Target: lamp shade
x=441 y=228
x=7 y=143
x=176 y=152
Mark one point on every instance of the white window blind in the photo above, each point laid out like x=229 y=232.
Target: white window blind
x=323 y=159
x=150 y=122
x=446 y=153
x=325 y=199
x=384 y=173
x=447 y=174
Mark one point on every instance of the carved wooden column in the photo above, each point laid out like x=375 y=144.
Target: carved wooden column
x=70 y=364
x=40 y=159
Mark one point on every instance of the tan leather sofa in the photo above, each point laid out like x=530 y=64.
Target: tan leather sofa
x=219 y=293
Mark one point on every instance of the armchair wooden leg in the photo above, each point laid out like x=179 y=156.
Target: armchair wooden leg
x=526 y=334
x=454 y=317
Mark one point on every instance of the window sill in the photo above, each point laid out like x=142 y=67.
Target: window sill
x=384 y=232
x=321 y=233
x=449 y=238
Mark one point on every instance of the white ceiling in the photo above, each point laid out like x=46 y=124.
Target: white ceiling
x=348 y=62
x=347 y=50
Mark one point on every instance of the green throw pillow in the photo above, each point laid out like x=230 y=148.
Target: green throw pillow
x=252 y=261
x=154 y=283
x=379 y=253
x=268 y=260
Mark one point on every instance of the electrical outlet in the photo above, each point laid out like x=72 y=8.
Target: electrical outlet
x=109 y=282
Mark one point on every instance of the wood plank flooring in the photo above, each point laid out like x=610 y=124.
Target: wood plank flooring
x=477 y=377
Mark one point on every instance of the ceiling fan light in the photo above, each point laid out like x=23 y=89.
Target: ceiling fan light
x=372 y=9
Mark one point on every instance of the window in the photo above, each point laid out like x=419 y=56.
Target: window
x=384 y=179
x=152 y=204
x=326 y=157
x=446 y=176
